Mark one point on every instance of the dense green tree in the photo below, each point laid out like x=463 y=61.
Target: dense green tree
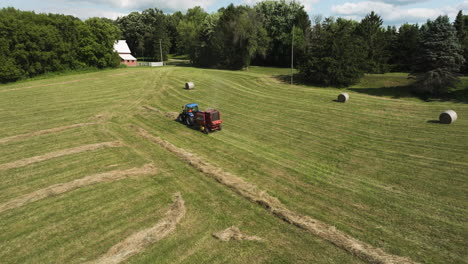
x=97 y=38
x=461 y=25
x=189 y=29
x=439 y=59
x=375 y=44
x=32 y=44
x=336 y=56
x=405 y=48
x=279 y=19
x=145 y=32
x=173 y=21
x=206 y=53
x=133 y=30
x=239 y=36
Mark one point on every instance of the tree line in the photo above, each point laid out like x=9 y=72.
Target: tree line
x=33 y=44
x=327 y=51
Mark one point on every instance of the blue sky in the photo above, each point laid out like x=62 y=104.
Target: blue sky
x=394 y=12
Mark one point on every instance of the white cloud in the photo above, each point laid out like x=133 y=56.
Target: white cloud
x=360 y=8
x=166 y=5
x=404 y=2
x=393 y=13
x=308 y=4
x=80 y=12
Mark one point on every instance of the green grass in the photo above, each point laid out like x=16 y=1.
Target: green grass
x=377 y=168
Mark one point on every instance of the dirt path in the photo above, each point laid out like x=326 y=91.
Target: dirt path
x=137 y=242
x=327 y=232
x=43 y=132
x=60 y=188
x=51 y=155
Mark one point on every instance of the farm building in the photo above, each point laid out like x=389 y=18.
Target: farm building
x=124 y=52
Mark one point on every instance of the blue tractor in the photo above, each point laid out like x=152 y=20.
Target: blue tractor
x=188 y=114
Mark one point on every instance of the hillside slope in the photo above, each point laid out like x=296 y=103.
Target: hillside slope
x=377 y=168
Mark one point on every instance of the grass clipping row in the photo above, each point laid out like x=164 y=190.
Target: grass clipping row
x=234 y=233
x=60 y=188
x=137 y=242
x=43 y=132
x=59 y=153
x=252 y=193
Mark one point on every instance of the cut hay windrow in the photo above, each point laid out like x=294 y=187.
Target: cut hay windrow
x=139 y=241
x=47 y=85
x=327 y=232
x=147 y=107
x=60 y=188
x=43 y=132
x=170 y=115
x=234 y=233
x=56 y=154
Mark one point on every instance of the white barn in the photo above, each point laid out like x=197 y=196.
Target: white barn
x=125 y=54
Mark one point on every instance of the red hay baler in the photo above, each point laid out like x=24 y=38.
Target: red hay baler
x=208 y=121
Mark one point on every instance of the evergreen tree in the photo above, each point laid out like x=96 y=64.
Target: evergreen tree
x=371 y=31
x=461 y=25
x=440 y=57
x=336 y=56
x=405 y=48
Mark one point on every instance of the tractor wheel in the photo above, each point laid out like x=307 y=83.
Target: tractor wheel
x=206 y=130
x=179 y=118
x=220 y=127
x=189 y=121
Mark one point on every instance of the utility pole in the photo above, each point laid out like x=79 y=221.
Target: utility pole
x=160 y=49
x=292 y=56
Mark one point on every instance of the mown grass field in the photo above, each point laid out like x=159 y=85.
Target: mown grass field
x=377 y=168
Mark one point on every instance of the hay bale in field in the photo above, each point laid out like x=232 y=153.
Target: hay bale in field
x=448 y=117
x=343 y=98
x=189 y=85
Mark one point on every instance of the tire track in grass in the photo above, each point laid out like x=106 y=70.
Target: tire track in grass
x=254 y=194
x=56 y=154
x=137 y=242
x=43 y=132
x=60 y=188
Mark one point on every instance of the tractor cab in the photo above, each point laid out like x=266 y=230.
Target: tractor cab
x=191 y=109
x=188 y=114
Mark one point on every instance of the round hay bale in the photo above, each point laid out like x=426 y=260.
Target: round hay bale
x=448 y=117
x=189 y=85
x=343 y=98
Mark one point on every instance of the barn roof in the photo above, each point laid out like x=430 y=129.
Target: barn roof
x=120 y=46
x=127 y=57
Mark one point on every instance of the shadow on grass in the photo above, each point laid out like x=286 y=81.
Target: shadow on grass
x=434 y=121
x=179 y=63
x=458 y=96
x=297 y=79
x=393 y=92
